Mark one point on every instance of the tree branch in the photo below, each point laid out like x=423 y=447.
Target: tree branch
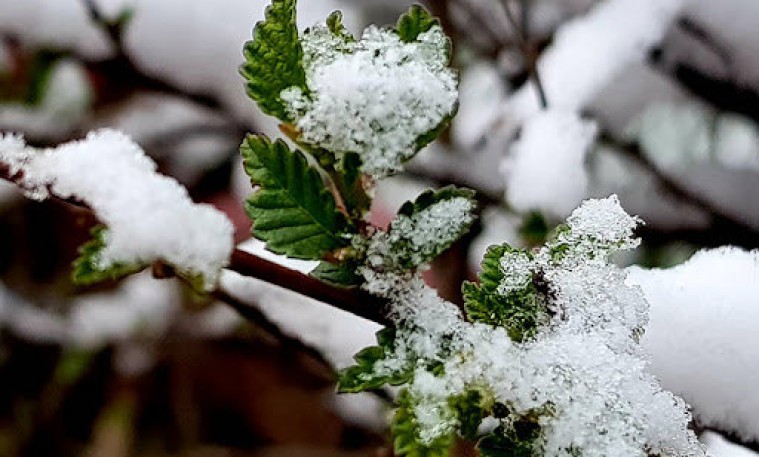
x=354 y=301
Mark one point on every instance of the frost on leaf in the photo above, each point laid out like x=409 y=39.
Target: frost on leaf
x=149 y=217
x=422 y=230
x=379 y=97
x=574 y=382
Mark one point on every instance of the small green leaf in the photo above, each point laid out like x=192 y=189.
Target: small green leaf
x=274 y=59
x=292 y=210
x=534 y=229
x=87 y=269
x=335 y=25
x=521 y=312
x=415 y=22
x=340 y=275
x=363 y=376
x=516 y=441
x=419 y=233
x=406 y=435
x=469 y=411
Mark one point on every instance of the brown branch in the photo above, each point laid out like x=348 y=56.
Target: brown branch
x=122 y=76
x=529 y=54
x=354 y=301
x=256 y=317
x=736 y=231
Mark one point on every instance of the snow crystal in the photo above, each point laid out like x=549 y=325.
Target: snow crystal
x=546 y=169
x=517 y=269
x=416 y=238
x=149 y=217
x=702 y=335
x=374 y=97
x=584 y=374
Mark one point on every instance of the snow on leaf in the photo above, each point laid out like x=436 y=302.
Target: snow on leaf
x=379 y=97
x=423 y=229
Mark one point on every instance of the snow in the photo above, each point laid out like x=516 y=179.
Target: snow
x=720 y=447
x=546 y=168
x=585 y=363
x=374 y=97
x=417 y=238
x=702 y=335
x=196 y=45
x=149 y=217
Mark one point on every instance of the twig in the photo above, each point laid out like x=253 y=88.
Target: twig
x=528 y=53
x=354 y=301
x=739 y=230
x=260 y=320
x=125 y=77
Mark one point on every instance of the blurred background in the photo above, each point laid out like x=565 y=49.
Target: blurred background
x=669 y=90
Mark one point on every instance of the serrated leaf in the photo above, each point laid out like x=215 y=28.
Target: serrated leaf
x=340 y=275
x=517 y=441
x=364 y=376
x=87 y=269
x=424 y=140
x=469 y=411
x=335 y=25
x=274 y=59
x=414 y=22
x=520 y=312
x=292 y=211
x=417 y=238
x=406 y=435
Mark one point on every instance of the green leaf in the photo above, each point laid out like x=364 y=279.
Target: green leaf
x=406 y=433
x=292 y=211
x=363 y=375
x=417 y=238
x=335 y=25
x=274 y=59
x=469 y=411
x=516 y=441
x=424 y=140
x=534 y=229
x=415 y=22
x=520 y=312
x=87 y=269
x=339 y=275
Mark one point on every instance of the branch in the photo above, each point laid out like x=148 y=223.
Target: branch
x=528 y=52
x=123 y=76
x=735 y=231
x=354 y=301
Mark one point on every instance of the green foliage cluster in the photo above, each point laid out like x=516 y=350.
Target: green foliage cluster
x=312 y=203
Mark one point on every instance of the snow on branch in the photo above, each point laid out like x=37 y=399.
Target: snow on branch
x=703 y=335
x=575 y=374
x=149 y=217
